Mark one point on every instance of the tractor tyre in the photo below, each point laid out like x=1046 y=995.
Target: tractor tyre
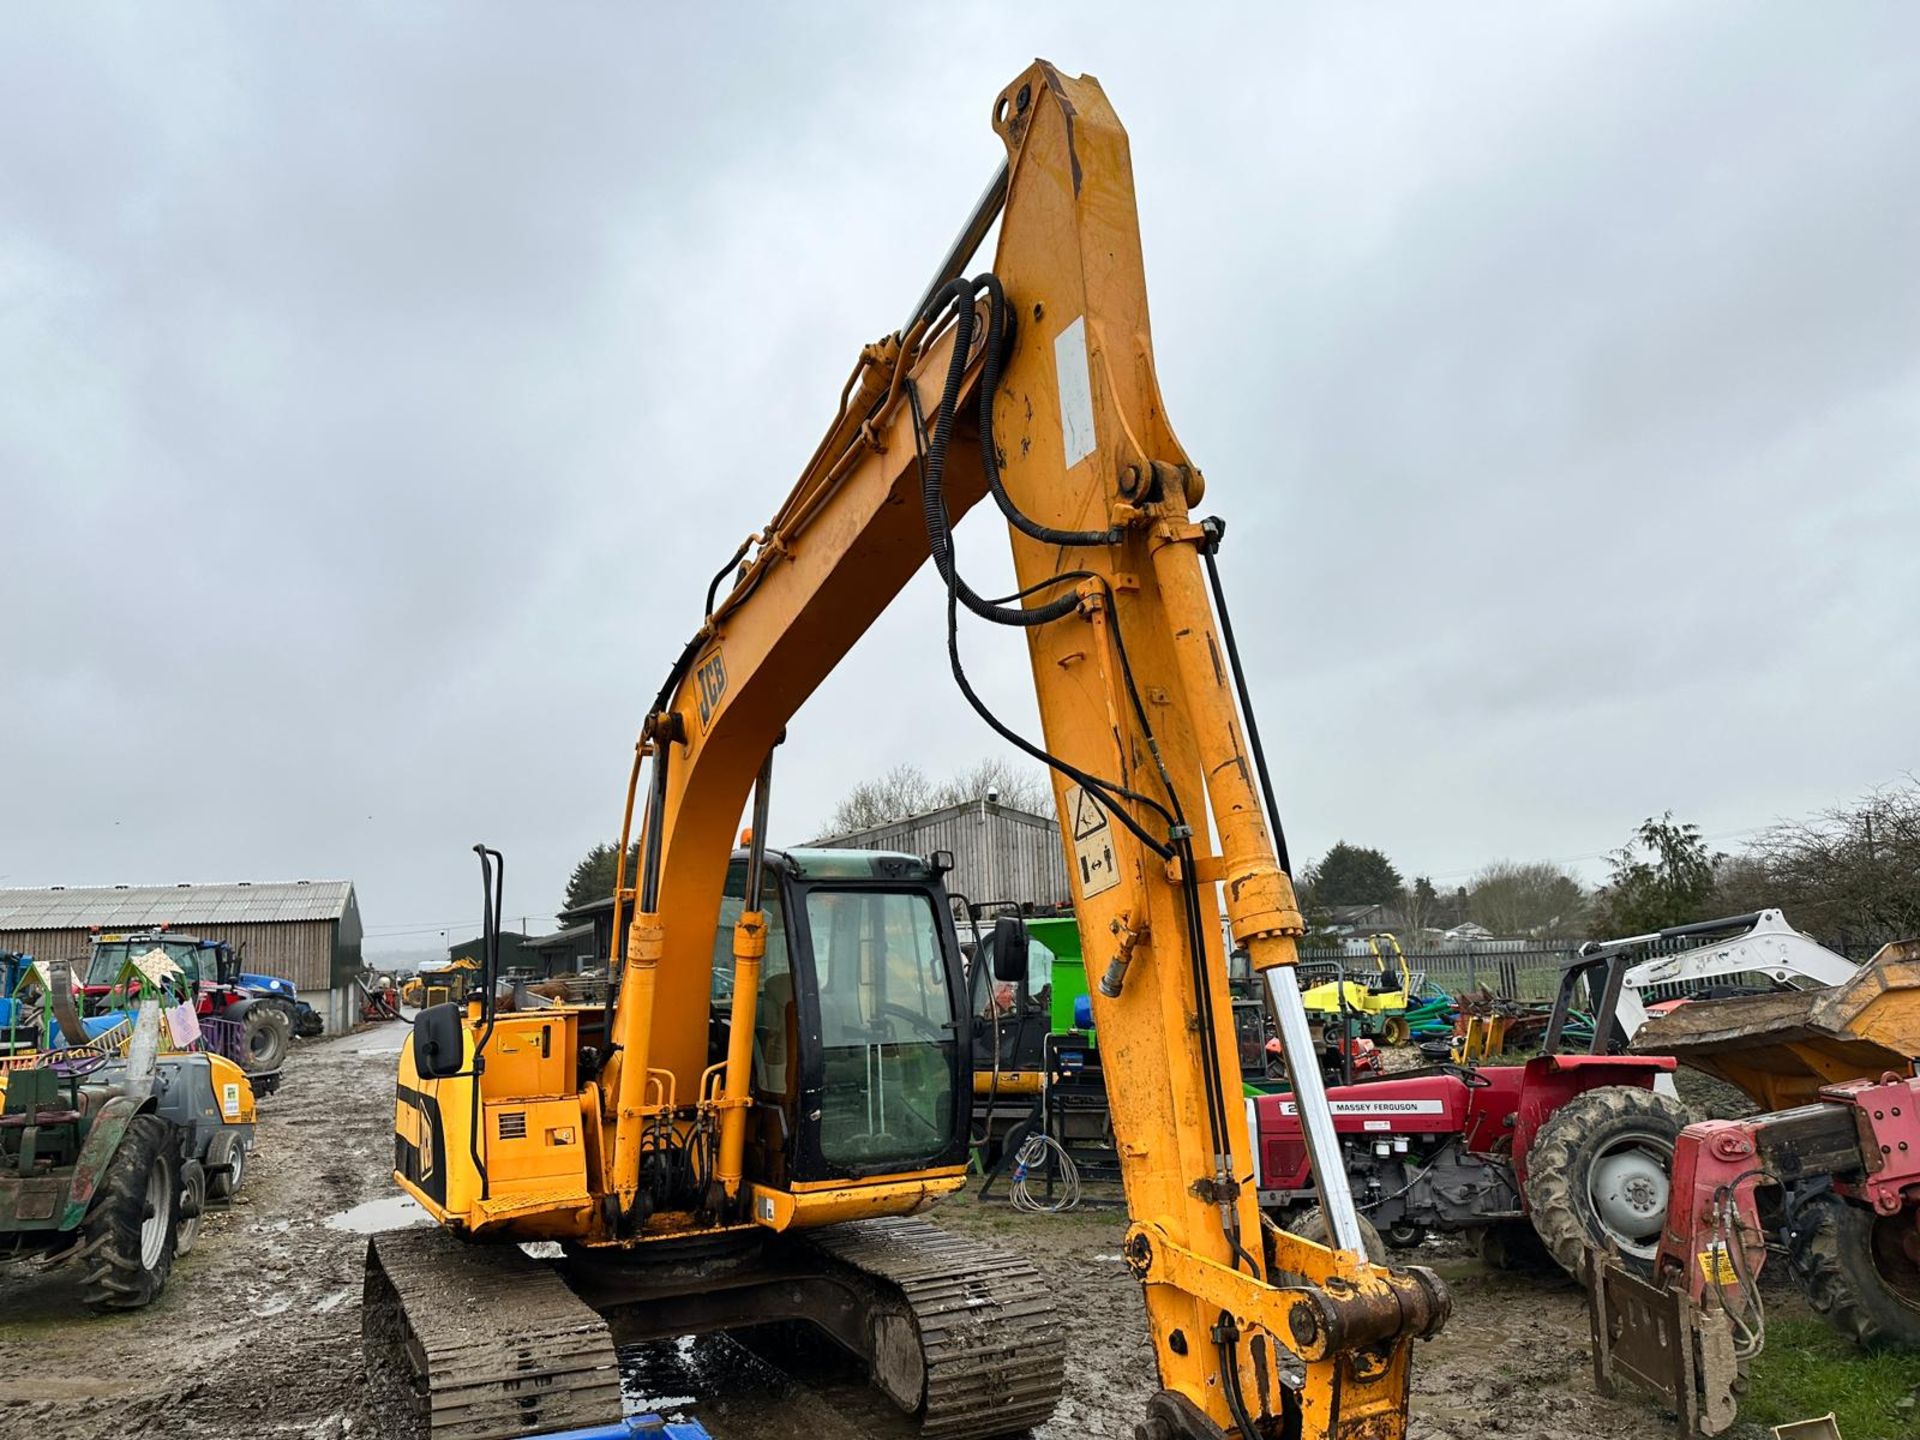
x=1312 y=1225
x=1597 y=1175
x=226 y=1164
x=266 y=1037
x=193 y=1204
x=1405 y=1235
x=130 y=1230
x=1856 y=1272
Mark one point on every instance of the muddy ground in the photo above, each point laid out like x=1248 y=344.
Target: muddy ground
x=257 y=1333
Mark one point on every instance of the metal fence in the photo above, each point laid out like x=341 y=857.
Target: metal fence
x=1524 y=972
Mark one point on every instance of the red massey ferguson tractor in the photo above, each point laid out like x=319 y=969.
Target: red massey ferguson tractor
x=1564 y=1150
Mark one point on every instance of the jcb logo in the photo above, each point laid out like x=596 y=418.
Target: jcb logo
x=712 y=676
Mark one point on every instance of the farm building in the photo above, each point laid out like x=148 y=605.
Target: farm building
x=306 y=931
x=1000 y=854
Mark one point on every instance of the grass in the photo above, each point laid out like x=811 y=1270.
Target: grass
x=1807 y=1370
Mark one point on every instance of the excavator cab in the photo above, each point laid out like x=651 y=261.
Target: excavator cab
x=862 y=1057
x=861 y=1061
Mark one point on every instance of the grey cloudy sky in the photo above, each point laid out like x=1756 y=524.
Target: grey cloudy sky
x=380 y=385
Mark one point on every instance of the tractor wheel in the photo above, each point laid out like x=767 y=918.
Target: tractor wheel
x=1405 y=1235
x=268 y=1034
x=1857 y=1271
x=1396 y=1030
x=130 y=1230
x=1598 y=1174
x=226 y=1149
x=1312 y=1225
x=193 y=1202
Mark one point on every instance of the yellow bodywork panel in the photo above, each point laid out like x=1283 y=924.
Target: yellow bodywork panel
x=231 y=1091
x=532 y=1137
x=807 y=1206
x=1325 y=999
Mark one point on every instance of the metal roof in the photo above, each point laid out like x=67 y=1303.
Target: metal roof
x=125 y=907
x=859 y=839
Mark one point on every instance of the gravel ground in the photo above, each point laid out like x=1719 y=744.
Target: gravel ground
x=257 y=1334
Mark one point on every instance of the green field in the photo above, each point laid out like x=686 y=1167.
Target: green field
x=1808 y=1370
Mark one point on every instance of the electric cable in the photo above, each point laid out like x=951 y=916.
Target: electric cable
x=1035 y=1151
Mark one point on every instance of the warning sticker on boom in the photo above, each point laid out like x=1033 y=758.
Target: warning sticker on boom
x=1092 y=836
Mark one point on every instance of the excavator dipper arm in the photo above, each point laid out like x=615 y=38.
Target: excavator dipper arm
x=1036 y=384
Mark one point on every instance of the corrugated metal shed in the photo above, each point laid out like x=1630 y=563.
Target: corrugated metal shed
x=307 y=931
x=126 y=907
x=999 y=853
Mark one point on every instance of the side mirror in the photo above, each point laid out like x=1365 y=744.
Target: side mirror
x=1010 y=949
x=439 y=1044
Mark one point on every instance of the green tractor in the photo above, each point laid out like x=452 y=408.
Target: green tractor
x=107 y=1162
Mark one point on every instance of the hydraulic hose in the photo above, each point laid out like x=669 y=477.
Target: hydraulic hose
x=1216 y=530
x=961 y=294
x=933 y=470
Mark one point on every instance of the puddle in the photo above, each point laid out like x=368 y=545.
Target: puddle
x=672 y=1376
x=395 y=1212
x=726 y=1383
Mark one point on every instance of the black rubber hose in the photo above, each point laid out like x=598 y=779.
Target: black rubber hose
x=1230 y=1378
x=1105 y=790
x=989 y=456
x=1215 y=529
x=713 y=589
x=933 y=468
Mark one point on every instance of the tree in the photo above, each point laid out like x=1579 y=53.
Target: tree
x=905 y=790
x=1534 y=899
x=592 y=878
x=1019 y=786
x=1673 y=886
x=902 y=791
x=1850 y=874
x=1420 y=907
x=1355 y=875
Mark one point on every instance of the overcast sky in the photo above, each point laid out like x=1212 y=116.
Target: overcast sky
x=380 y=386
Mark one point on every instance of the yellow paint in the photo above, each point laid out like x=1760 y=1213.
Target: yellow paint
x=1008 y=1083
x=809 y=1207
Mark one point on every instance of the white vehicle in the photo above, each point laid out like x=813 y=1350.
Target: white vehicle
x=1759 y=950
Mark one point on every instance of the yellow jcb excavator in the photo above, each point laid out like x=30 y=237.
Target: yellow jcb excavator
x=745 y=1131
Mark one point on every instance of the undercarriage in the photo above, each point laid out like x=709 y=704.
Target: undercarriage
x=958 y=1335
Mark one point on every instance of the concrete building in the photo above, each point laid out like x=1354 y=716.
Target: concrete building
x=999 y=853
x=307 y=931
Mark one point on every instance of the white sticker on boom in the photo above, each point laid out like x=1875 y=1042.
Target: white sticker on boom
x=1076 y=392
x=1092 y=843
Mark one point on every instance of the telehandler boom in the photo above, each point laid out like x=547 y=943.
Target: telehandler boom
x=740 y=1135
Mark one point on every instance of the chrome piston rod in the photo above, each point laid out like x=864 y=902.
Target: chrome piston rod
x=1316 y=1120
